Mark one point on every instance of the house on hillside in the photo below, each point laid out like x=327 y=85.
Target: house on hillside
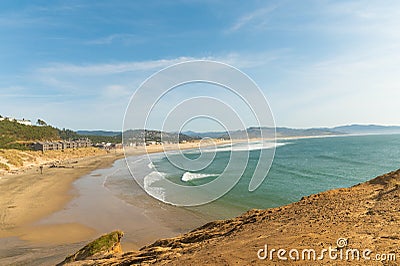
x=69 y=145
x=83 y=143
x=22 y=122
x=47 y=146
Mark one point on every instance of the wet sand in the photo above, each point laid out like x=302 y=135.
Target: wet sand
x=141 y=218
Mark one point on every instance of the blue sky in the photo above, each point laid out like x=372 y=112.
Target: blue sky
x=75 y=64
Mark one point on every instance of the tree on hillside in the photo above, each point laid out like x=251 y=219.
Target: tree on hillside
x=40 y=122
x=67 y=134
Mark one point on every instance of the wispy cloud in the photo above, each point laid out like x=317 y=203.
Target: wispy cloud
x=112 y=68
x=36 y=15
x=19 y=95
x=61 y=74
x=258 y=17
x=116 y=90
x=21 y=21
x=349 y=18
x=124 y=38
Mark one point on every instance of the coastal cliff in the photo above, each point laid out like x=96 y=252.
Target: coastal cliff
x=363 y=217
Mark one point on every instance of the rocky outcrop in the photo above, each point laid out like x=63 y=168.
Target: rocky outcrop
x=366 y=216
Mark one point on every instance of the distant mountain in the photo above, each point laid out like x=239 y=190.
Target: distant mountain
x=367 y=129
x=102 y=133
x=138 y=135
x=211 y=134
x=255 y=132
x=293 y=132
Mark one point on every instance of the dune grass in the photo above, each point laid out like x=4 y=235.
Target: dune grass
x=3 y=166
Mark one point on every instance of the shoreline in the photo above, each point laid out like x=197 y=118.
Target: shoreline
x=28 y=196
x=344 y=219
x=31 y=196
x=142 y=218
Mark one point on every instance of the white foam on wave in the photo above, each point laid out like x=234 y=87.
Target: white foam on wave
x=149 y=180
x=188 y=176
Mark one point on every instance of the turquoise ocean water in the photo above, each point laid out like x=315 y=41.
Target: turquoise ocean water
x=301 y=167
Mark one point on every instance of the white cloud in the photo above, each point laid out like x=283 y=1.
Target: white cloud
x=116 y=91
x=258 y=17
x=107 y=69
x=249 y=60
x=123 y=38
x=374 y=21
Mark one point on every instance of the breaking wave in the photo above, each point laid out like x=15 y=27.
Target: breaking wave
x=188 y=176
x=149 y=180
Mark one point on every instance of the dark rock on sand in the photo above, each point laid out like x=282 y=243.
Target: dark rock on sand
x=103 y=247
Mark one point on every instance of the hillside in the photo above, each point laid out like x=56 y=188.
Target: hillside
x=15 y=135
x=365 y=216
x=140 y=135
x=98 y=133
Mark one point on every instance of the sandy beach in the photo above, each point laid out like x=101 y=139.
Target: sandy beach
x=28 y=197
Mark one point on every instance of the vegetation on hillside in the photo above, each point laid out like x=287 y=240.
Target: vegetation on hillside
x=145 y=135
x=15 y=136
x=70 y=134
x=105 y=245
x=100 y=139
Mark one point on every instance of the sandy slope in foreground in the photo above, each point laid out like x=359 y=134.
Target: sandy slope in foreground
x=367 y=215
